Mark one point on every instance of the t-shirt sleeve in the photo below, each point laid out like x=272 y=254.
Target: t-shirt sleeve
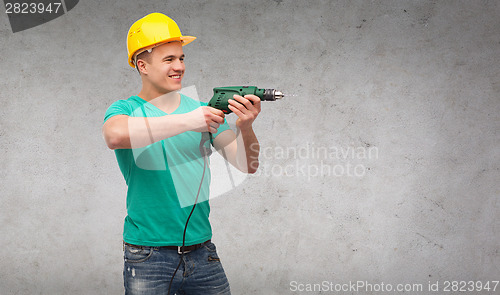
x=120 y=107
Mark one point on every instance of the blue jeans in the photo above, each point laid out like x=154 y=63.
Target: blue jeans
x=148 y=271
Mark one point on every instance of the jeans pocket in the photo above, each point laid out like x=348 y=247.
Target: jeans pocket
x=210 y=247
x=136 y=255
x=212 y=253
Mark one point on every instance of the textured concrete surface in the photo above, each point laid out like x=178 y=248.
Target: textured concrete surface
x=383 y=168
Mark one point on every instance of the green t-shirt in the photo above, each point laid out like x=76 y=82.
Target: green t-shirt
x=163 y=179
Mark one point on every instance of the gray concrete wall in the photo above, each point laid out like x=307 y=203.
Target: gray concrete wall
x=383 y=168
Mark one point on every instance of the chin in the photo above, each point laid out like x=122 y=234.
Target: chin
x=172 y=88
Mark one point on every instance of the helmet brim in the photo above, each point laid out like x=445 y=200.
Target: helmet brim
x=187 y=39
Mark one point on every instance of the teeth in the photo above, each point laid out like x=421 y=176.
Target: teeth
x=175 y=77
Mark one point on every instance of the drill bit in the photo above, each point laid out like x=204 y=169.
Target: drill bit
x=278 y=95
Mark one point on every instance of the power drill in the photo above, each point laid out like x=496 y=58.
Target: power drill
x=223 y=94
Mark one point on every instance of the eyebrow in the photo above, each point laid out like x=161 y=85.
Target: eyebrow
x=174 y=56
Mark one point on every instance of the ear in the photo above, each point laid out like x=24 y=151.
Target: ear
x=141 y=66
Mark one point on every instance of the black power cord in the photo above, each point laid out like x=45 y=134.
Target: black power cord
x=205 y=152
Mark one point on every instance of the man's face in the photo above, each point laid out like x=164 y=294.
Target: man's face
x=166 y=68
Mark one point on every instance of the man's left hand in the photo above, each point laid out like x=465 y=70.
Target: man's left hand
x=246 y=108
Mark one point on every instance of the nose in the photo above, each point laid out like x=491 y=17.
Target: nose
x=178 y=65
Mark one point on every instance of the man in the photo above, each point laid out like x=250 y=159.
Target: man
x=158 y=140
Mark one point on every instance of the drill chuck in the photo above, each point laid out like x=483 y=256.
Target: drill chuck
x=272 y=95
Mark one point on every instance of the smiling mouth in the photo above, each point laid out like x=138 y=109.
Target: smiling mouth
x=178 y=77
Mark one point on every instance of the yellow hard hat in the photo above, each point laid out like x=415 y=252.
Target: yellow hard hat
x=150 y=31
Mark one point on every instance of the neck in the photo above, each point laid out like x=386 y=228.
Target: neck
x=166 y=102
x=149 y=93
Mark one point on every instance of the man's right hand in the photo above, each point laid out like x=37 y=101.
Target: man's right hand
x=205 y=119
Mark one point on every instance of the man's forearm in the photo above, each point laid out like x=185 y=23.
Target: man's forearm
x=126 y=132
x=147 y=130
x=248 y=148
